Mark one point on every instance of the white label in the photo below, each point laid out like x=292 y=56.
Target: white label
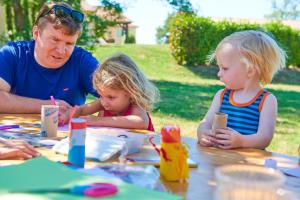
x=49 y=120
x=78 y=137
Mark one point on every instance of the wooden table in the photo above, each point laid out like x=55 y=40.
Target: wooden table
x=201 y=184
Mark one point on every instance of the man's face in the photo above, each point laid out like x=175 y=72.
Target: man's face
x=53 y=47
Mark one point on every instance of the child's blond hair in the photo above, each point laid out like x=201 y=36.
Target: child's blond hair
x=258 y=50
x=121 y=73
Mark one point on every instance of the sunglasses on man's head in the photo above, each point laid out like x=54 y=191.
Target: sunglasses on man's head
x=62 y=11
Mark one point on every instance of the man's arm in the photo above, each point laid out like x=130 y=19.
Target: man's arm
x=10 y=103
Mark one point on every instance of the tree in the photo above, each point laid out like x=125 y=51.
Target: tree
x=182 y=6
x=21 y=14
x=162 y=32
x=284 y=9
x=95 y=26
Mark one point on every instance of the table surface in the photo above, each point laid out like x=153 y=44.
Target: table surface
x=201 y=184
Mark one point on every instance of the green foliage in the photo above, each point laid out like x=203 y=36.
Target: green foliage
x=3 y=39
x=93 y=28
x=184 y=6
x=162 y=32
x=193 y=38
x=130 y=39
x=289 y=39
x=189 y=38
x=180 y=6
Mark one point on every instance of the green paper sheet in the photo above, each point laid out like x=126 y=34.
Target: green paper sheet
x=41 y=173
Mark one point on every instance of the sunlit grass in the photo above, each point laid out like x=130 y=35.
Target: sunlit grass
x=186 y=93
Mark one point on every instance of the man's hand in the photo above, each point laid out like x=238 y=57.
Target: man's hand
x=17 y=149
x=63 y=106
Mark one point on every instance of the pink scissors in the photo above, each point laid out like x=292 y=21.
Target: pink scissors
x=95 y=189
x=92 y=190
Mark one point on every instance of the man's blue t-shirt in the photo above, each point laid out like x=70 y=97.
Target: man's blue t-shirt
x=71 y=82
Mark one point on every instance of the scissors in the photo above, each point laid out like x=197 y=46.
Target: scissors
x=92 y=190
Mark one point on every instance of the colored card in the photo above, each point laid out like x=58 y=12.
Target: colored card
x=41 y=173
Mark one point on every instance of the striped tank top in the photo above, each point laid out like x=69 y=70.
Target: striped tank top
x=243 y=118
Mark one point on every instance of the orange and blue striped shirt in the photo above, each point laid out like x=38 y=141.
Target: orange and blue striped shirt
x=242 y=117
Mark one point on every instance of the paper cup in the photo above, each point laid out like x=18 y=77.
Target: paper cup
x=49 y=120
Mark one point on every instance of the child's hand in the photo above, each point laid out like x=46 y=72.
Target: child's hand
x=91 y=119
x=228 y=138
x=207 y=138
x=63 y=117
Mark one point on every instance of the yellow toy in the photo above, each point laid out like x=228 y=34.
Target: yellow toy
x=173 y=155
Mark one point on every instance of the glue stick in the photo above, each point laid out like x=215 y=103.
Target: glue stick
x=76 y=154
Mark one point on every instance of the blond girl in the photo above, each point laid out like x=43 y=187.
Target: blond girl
x=126 y=96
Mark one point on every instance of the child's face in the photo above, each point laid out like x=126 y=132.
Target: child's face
x=232 y=71
x=113 y=100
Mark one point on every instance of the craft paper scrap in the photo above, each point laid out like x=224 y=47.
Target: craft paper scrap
x=41 y=173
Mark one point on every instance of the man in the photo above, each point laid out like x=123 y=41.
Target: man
x=50 y=65
x=16 y=149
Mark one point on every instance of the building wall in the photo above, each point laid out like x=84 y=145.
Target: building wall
x=115 y=35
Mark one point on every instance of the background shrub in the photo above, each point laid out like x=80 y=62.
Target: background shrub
x=193 y=38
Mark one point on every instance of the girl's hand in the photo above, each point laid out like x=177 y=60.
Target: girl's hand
x=228 y=138
x=64 y=117
x=91 y=119
x=207 y=138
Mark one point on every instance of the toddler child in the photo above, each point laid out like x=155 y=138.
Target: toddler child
x=246 y=60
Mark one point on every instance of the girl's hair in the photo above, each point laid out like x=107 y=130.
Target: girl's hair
x=120 y=72
x=258 y=50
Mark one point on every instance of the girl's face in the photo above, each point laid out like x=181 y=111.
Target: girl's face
x=232 y=71
x=113 y=100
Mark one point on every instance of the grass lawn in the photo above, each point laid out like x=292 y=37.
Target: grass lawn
x=186 y=93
